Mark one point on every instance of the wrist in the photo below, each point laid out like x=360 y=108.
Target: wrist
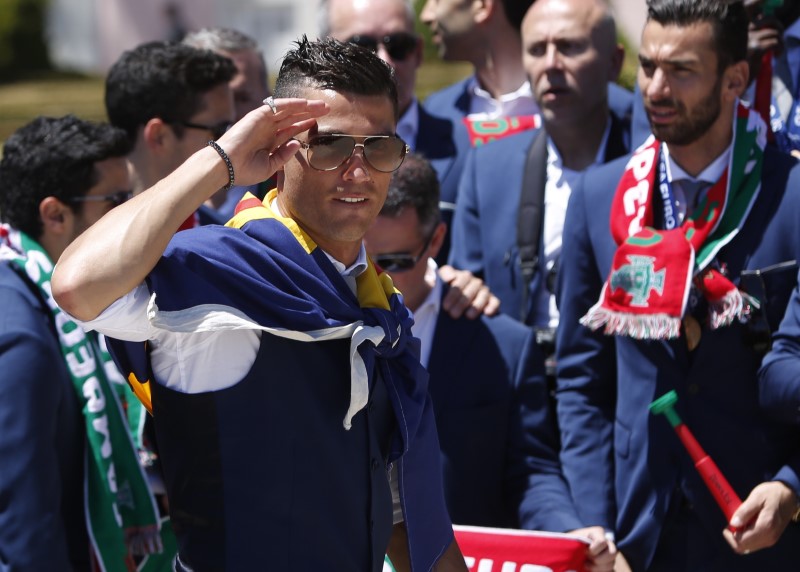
x=225 y=159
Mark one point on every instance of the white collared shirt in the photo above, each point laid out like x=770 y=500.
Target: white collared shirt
x=484 y=106
x=557 y=190
x=676 y=175
x=194 y=362
x=426 y=315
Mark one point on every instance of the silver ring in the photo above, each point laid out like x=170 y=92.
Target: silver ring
x=271 y=102
x=747 y=551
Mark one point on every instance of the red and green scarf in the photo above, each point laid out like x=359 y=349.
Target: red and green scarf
x=653 y=270
x=483 y=131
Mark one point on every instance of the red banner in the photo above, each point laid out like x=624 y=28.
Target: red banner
x=507 y=550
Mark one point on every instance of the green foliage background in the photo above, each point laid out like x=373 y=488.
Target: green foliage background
x=22 y=47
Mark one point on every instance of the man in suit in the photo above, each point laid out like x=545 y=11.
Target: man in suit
x=170 y=99
x=57 y=405
x=487 y=34
x=778 y=33
x=569 y=48
x=496 y=434
x=679 y=310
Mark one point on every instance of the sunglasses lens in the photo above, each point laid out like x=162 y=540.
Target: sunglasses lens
x=400 y=46
x=119 y=198
x=220 y=130
x=385 y=154
x=395 y=262
x=365 y=42
x=327 y=152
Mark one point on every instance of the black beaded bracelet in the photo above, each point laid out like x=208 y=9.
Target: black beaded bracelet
x=224 y=155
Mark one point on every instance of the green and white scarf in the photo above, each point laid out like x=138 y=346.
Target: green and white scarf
x=120 y=510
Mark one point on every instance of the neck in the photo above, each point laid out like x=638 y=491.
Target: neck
x=416 y=297
x=696 y=156
x=52 y=246
x=578 y=144
x=500 y=70
x=141 y=176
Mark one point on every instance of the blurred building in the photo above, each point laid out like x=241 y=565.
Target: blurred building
x=89 y=35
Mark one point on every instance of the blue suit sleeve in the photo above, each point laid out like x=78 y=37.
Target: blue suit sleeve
x=779 y=382
x=536 y=485
x=465 y=250
x=32 y=535
x=586 y=384
x=779 y=377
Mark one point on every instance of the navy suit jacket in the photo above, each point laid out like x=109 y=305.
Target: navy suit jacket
x=485 y=225
x=453 y=102
x=41 y=439
x=496 y=432
x=444 y=143
x=779 y=378
x=626 y=467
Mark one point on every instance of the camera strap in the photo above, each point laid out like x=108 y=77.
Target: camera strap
x=530 y=216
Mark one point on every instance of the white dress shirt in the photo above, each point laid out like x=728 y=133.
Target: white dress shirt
x=193 y=362
x=684 y=197
x=484 y=106
x=557 y=190
x=426 y=315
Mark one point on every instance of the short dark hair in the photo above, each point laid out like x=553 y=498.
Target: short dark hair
x=162 y=79
x=330 y=64
x=416 y=185
x=728 y=20
x=515 y=11
x=53 y=157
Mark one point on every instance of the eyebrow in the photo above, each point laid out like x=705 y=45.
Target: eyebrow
x=685 y=62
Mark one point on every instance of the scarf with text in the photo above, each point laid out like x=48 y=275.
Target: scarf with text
x=653 y=270
x=483 y=131
x=120 y=510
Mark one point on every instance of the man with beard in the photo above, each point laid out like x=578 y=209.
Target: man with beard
x=676 y=232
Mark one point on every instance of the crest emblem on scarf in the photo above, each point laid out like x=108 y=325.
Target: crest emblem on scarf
x=639 y=279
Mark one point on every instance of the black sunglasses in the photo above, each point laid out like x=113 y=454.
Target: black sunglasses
x=384 y=153
x=217 y=130
x=115 y=198
x=401 y=261
x=399 y=45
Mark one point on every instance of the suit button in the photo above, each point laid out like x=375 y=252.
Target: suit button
x=694 y=389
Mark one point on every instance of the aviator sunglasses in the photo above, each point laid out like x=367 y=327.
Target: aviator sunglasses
x=116 y=199
x=399 y=45
x=401 y=261
x=384 y=153
x=217 y=130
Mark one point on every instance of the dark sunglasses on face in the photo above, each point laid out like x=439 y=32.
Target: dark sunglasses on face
x=399 y=46
x=401 y=261
x=217 y=130
x=384 y=153
x=115 y=198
